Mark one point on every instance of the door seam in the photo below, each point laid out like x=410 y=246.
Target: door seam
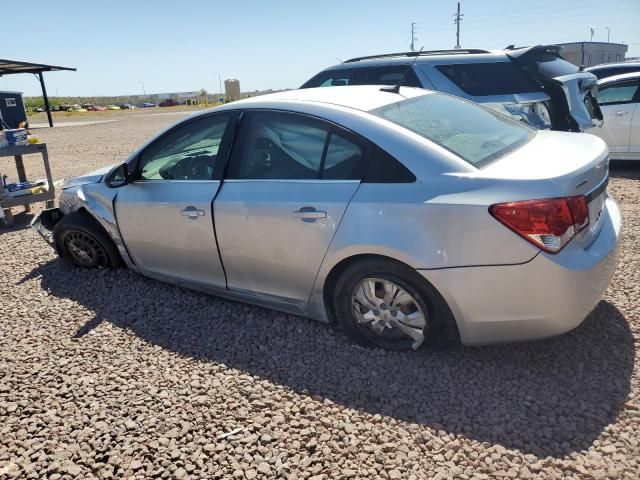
x=315 y=280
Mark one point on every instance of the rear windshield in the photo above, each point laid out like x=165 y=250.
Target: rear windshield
x=477 y=79
x=387 y=75
x=475 y=134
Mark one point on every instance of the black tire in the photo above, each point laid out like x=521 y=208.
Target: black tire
x=82 y=241
x=439 y=320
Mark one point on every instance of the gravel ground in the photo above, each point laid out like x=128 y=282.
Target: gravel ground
x=112 y=375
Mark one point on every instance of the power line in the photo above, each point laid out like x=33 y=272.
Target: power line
x=543 y=15
x=484 y=26
x=537 y=10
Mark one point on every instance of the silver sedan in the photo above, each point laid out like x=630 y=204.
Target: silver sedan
x=398 y=214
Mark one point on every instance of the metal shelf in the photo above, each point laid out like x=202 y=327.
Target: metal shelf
x=6 y=203
x=23 y=150
x=27 y=199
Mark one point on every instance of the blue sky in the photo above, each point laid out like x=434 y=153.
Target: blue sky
x=179 y=46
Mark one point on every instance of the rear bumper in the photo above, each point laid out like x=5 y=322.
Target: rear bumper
x=547 y=296
x=44 y=222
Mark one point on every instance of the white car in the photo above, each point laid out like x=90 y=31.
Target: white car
x=619 y=97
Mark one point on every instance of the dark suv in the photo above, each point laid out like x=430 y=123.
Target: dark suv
x=533 y=84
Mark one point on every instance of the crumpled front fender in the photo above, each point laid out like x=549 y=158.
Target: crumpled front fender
x=98 y=201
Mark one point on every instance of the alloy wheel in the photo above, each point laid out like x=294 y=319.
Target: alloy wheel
x=387 y=314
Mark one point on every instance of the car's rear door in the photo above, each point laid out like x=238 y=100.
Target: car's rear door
x=165 y=214
x=288 y=184
x=619 y=102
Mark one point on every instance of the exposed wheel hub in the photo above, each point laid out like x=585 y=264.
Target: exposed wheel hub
x=85 y=250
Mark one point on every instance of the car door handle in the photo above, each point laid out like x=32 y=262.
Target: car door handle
x=309 y=213
x=192 y=212
x=621 y=113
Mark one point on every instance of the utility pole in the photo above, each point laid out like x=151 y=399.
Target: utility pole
x=608 y=34
x=458 y=18
x=413 y=37
x=592 y=29
x=219 y=81
x=144 y=92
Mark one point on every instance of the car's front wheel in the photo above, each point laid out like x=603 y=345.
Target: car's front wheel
x=386 y=304
x=84 y=243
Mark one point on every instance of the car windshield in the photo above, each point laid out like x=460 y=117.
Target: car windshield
x=475 y=134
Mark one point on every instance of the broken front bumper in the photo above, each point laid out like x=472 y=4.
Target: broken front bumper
x=44 y=222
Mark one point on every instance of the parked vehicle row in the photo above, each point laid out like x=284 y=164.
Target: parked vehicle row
x=397 y=213
x=88 y=107
x=534 y=84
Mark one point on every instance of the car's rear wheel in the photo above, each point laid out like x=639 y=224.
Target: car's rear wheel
x=387 y=304
x=83 y=242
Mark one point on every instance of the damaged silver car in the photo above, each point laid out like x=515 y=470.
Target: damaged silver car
x=398 y=214
x=533 y=84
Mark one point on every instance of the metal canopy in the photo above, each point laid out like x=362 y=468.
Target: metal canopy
x=10 y=67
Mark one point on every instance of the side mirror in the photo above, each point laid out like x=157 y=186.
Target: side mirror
x=117 y=177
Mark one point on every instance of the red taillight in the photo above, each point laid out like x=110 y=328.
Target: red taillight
x=548 y=223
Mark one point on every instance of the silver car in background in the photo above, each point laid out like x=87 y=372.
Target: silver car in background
x=398 y=214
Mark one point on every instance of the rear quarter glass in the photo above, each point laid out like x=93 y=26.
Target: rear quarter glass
x=482 y=79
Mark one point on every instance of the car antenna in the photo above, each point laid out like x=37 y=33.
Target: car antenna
x=396 y=87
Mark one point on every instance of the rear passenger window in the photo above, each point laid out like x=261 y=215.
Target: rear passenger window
x=281 y=146
x=479 y=79
x=286 y=146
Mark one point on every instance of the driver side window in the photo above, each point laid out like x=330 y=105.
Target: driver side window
x=189 y=152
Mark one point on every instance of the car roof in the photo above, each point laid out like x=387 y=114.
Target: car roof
x=604 y=66
x=358 y=97
x=440 y=57
x=617 y=78
x=435 y=57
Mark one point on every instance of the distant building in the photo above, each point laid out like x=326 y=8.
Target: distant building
x=232 y=90
x=588 y=54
